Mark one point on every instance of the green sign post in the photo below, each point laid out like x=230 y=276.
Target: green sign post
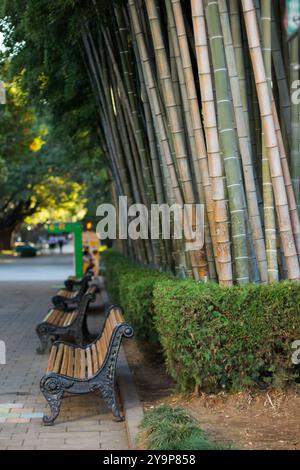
x=76 y=229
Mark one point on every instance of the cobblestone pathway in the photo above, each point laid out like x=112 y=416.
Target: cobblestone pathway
x=84 y=422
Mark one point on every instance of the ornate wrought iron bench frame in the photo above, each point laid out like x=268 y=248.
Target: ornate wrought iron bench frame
x=77 y=329
x=72 y=281
x=54 y=386
x=63 y=303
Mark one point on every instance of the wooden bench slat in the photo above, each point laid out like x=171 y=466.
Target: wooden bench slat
x=66 y=319
x=67 y=294
x=104 y=344
x=117 y=317
x=77 y=363
x=57 y=317
x=70 y=371
x=72 y=317
x=91 y=290
x=82 y=364
x=53 y=316
x=51 y=359
x=108 y=331
x=57 y=363
x=120 y=317
x=65 y=360
x=95 y=359
x=48 y=314
x=99 y=352
x=89 y=362
x=61 y=318
x=111 y=326
x=113 y=318
x=113 y=323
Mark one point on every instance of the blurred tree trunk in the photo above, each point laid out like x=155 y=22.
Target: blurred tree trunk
x=6 y=237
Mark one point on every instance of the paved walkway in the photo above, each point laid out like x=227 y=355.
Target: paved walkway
x=84 y=422
x=40 y=268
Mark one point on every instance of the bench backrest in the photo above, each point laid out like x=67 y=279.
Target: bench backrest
x=87 y=296
x=86 y=362
x=83 y=288
x=113 y=319
x=79 y=279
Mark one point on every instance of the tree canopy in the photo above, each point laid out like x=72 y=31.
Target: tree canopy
x=49 y=123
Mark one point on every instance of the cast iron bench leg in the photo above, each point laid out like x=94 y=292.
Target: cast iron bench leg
x=53 y=391
x=42 y=333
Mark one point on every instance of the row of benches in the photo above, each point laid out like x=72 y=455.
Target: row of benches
x=68 y=316
x=78 y=368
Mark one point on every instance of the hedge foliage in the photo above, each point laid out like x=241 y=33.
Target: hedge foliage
x=212 y=336
x=132 y=287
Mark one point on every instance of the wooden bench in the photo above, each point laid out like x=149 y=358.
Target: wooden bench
x=77 y=370
x=75 y=282
x=65 y=322
x=64 y=298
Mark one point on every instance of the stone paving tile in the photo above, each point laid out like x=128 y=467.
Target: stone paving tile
x=84 y=421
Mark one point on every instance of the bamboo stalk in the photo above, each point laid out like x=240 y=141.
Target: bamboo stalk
x=295 y=109
x=268 y=198
x=244 y=145
x=191 y=139
x=154 y=99
x=281 y=80
x=228 y=143
x=193 y=108
x=281 y=202
x=212 y=140
x=235 y=22
x=287 y=181
x=170 y=103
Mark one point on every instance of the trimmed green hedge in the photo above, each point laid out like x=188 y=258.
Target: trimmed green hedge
x=132 y=287
x=212 y=336
x=227 y=337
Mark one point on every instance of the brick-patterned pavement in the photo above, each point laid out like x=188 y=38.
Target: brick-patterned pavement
x=84 y=422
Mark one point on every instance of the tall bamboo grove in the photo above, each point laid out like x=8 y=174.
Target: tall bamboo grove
x=198 y=104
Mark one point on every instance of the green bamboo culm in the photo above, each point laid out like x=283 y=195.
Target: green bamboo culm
x=268 y=120
x=268 y=197
x=295 y=109
x=228 y=143
x=176 y=127
x=244 y=138
x=223 y=251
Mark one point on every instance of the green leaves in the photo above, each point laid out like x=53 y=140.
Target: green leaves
x=54 y=82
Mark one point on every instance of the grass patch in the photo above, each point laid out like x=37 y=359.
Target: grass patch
x=168 y=428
